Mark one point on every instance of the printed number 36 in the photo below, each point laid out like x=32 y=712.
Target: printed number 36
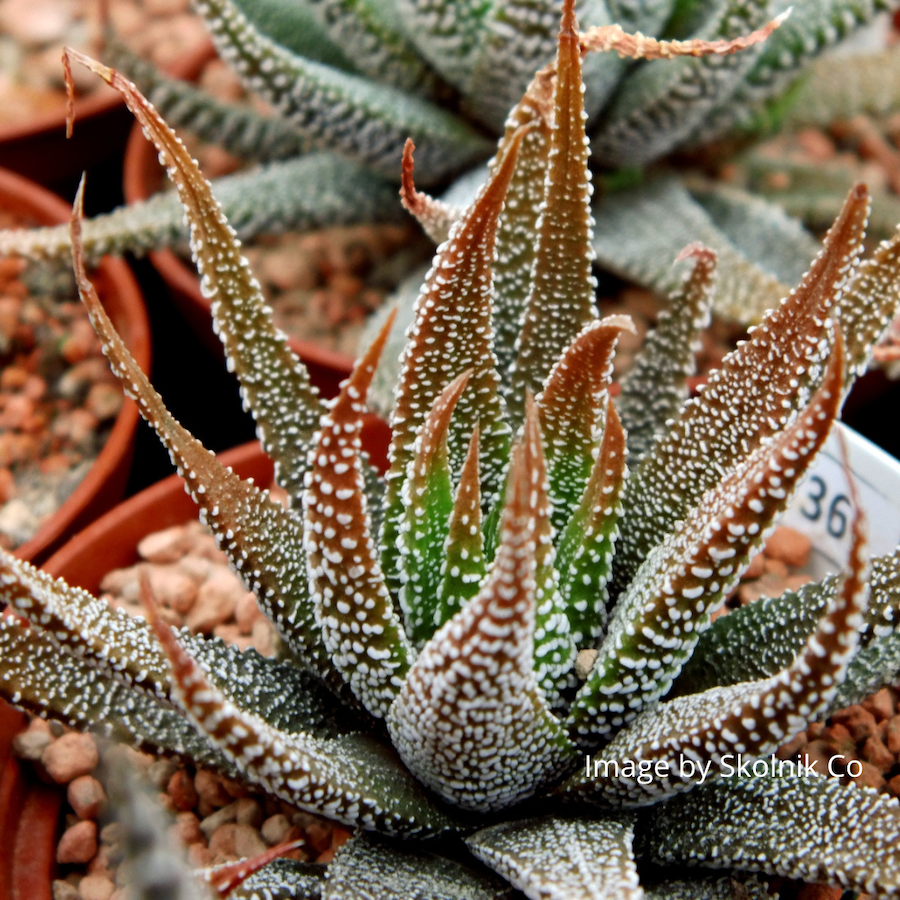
x=835 y=512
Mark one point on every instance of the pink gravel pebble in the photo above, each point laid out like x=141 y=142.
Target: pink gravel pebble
x=789 y=546
x=86 y=796
x=70 y=756
x=78 y=843
x=182 y=791
x=210 y=789
x=165 y=546
x=216 y=601
x=95 y=887
x=187 y=829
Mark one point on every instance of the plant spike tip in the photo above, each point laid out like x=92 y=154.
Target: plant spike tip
x=435 y=217
x=428 y=498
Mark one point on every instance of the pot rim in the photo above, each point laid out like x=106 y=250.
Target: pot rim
x=159 y=506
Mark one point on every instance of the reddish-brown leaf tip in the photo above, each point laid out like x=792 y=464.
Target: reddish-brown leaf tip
x=224 y=879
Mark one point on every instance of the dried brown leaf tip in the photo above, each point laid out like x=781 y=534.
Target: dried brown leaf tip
x=445 y=604
x=639 y=46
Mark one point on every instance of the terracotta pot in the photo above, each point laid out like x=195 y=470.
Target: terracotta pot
x=38 y=148
x=29 y=814
x=143 y=177
x=104 y=484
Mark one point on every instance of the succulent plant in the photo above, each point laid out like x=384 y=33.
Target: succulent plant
x=445 y=605
x=350 y=81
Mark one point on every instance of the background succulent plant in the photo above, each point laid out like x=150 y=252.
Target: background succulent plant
x=350 y=81
x=445 y=604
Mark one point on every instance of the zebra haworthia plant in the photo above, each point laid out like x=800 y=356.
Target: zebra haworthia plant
x=350 y=81
x=431 y=618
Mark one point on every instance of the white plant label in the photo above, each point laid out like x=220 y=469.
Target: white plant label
x=822 y=508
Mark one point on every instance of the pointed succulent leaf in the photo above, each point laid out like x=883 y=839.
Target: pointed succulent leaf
x=561 y=300
x=814 y=194
x=661 y=103
x=78 y=623
x=284 y=879
x=571 y=407
x=297 y=27
x=654 y=389
x=277 y=691
x=83 y=697
x=354 y=609
x=825 y=832
x=370 y=32
x=555 y=858
x=228 y=879
x=586 y=545
x=875 y=666
x=751 y=718
x=312 y=191
x=446 y=33
x=738 y=886
x=629 y=242
x=464 y=565
x=238 y=128
x=370 y=867
x=428 y=501
x=761 y=638
x=554 y=645
x=762 y=231
x=457 y=289
x=603 y=38
x=262 y=539
x=864 y=83
x=123 y=648
x=114 y=645
x=274 y=383
x=352 y=115
x=871 y=302
x=686 y=578
x=646 y=16
x=516 y=246
x=519 y=38
x=352 y=778
x=748 y=399
x=499 y=749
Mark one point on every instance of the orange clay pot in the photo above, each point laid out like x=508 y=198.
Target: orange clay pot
x=29 y=814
